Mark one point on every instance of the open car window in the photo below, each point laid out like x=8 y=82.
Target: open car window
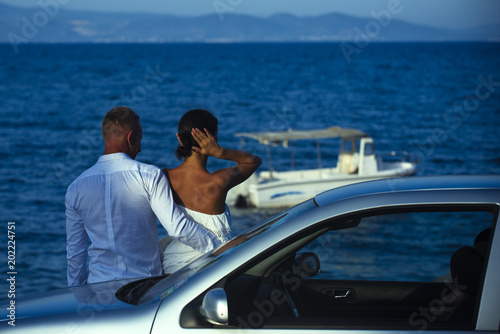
x=409 y=246
x=411 y=269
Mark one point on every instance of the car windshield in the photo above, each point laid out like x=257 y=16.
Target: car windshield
x=174 y=281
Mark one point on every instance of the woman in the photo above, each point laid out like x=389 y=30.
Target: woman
x=199 y=193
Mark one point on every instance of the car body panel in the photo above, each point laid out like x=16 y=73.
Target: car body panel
x=81 y=308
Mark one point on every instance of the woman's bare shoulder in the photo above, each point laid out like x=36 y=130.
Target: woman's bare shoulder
x=173 y=171
x=173 y=185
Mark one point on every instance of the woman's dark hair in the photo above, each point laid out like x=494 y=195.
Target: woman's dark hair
x=194 y=119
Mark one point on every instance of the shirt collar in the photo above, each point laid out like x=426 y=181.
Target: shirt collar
x=113 y=156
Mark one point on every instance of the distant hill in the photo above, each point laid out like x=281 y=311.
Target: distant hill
x=59 y=25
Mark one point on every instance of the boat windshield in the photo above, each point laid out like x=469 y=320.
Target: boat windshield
x=171 y=283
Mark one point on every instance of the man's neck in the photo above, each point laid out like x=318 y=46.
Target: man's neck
x=111 y=149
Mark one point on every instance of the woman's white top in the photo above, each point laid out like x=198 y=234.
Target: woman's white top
x=177 y=255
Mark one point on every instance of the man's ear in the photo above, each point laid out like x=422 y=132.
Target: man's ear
x=130 y=138
x=179 y=139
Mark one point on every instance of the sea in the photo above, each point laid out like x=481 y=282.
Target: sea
x=438 y=102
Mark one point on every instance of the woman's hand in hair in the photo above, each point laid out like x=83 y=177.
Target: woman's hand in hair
x=208 y=143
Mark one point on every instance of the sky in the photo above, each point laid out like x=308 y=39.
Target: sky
x=455 y=14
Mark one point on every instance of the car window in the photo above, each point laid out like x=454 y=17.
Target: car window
x=396 y=270
x=410 y=246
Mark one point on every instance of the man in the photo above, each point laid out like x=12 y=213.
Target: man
x=115 y=204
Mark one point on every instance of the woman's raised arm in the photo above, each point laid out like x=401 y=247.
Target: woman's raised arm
x=232 y=176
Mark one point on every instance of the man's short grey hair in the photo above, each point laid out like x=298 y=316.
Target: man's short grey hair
x=119 y=120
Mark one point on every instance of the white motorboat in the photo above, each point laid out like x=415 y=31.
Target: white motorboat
x=357 y=162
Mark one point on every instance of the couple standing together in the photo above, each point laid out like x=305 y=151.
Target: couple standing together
x=116 y=202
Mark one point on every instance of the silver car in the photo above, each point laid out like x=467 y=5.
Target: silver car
x=399 y=255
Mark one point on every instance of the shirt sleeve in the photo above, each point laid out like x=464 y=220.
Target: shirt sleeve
x=178 y=226
x=76 y=245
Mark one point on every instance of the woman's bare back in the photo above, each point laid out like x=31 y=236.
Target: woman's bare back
x=196 y=189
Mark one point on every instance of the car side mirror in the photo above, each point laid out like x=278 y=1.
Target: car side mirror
x=308 y=264
x=214 y=307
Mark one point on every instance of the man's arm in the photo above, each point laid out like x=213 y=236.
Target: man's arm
x=175 y=222
x=76 y=246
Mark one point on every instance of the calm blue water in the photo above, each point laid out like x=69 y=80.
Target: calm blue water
x=426 y=99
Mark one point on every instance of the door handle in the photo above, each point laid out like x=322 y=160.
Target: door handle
x=340 y=295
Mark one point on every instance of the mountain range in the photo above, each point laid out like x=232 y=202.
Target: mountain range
x=52 y=23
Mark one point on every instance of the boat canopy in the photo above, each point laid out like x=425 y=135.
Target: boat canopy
x=285 y=136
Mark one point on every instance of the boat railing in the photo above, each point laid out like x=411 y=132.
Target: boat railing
x=298 y=174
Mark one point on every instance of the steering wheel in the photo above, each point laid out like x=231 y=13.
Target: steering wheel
x=278 y=282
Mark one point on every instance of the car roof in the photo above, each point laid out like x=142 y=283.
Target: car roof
x=405 y=184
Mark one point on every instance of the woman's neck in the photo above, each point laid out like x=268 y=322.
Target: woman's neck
x=196 y=160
